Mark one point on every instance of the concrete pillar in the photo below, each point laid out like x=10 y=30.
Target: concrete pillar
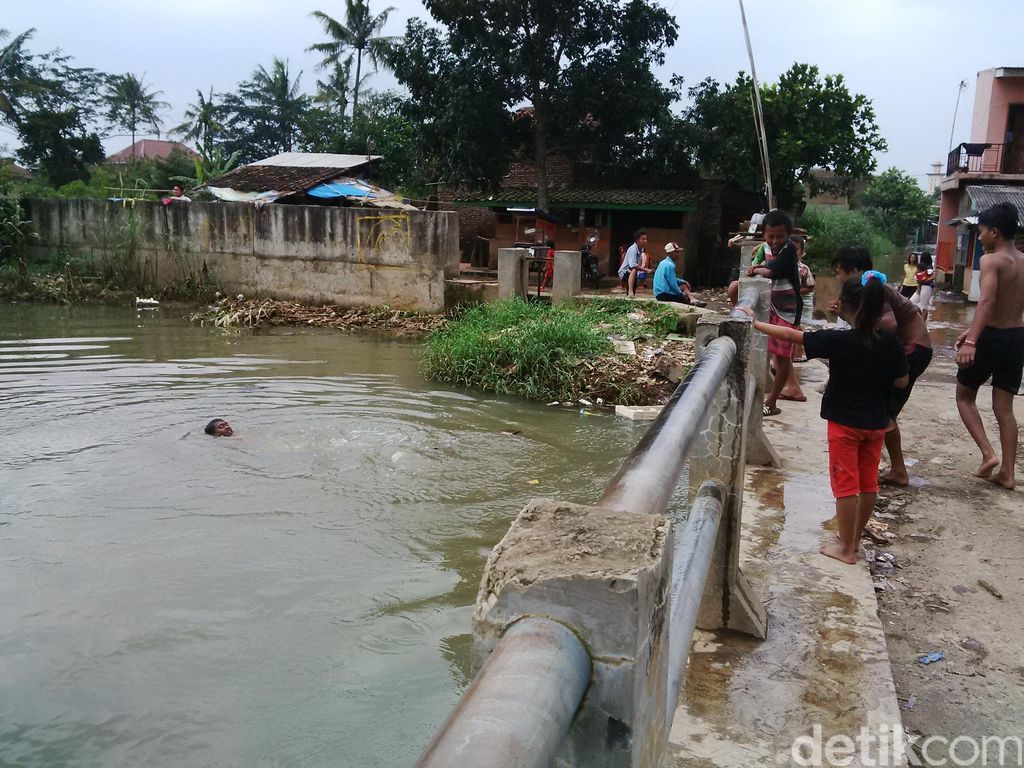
x=730 y=601
x=760 y=451
x=607 y=576
x=513 y=273
x=567 y=281
x=747 y=256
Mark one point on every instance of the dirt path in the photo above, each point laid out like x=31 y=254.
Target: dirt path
x=954 y=533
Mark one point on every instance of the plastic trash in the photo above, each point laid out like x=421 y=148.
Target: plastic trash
x=931 y=658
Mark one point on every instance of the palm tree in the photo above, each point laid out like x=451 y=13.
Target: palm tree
x=202 y=123
x=130 y=105
x=264 y=113
x=15 y=76
x=359 y=33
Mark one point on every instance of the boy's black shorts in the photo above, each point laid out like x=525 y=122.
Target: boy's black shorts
x=999 y=353
x=917 y=362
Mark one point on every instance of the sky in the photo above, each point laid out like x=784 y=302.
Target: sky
x=907 y=56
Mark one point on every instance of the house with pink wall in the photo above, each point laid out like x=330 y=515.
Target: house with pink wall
x=985 y=170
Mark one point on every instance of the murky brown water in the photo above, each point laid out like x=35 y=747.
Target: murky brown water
x=295 y=596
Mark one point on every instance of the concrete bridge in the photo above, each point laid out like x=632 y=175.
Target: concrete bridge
x=585 y=620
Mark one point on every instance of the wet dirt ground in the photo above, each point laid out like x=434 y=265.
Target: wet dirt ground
x=952 y=533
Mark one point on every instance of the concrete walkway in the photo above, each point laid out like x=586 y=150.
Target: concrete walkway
x=825 y=661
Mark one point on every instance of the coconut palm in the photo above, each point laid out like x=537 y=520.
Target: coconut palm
x=202 y=123
x=130 y=105
x=359 y=33
x=264 y=112
x=16 y=77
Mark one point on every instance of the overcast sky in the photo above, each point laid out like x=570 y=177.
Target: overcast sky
x=907 y=56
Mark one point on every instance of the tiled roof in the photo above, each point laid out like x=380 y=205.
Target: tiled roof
x=264 y=178
x=983 y=196
x=151 y=148
x=576 y=197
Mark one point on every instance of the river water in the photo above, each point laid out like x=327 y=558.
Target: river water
x=298 y=595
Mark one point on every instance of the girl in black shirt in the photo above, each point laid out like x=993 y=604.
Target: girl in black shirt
x=864 y=365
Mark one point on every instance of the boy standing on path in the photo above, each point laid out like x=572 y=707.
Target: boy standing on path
x=994 y=344
x=786 y=306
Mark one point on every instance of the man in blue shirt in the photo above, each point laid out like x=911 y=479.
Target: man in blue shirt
x=668 y=287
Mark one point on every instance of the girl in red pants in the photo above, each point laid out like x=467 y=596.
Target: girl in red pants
x=864 y=365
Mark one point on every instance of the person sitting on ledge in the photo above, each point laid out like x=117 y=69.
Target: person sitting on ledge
x=668 y=287
x=219 y=428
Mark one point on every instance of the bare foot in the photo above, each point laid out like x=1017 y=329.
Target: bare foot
x=835 y=551
x=987 y=467
x=894 y=478
x=999 y=478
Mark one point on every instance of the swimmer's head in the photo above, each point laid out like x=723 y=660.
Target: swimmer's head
x=219 y=428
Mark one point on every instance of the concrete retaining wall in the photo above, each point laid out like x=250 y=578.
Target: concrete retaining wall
x=352 y=257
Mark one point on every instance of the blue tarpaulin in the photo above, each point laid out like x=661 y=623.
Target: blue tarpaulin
x=347 y=188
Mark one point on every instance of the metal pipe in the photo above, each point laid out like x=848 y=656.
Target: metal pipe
x=748 y=297
x=695 y=548
x=648 y=477
x=517 y=710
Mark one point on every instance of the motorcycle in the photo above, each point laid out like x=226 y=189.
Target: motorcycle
x=589 y=272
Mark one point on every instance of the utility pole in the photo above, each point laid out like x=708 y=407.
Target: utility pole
x=759 y=114
x=960 y=89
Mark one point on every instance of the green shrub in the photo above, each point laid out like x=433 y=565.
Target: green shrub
x=538 y=351
x=831 y=228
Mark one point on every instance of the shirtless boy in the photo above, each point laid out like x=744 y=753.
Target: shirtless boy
x=994 y=344
x=901 y=317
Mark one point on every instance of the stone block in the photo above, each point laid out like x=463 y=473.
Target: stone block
x=566 y=282
x=638 y=412
x=513 y=273
x=607 y=576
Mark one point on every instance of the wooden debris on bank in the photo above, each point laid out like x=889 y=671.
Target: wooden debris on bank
x=253 y=315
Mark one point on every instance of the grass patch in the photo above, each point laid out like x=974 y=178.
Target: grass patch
x=544 y=352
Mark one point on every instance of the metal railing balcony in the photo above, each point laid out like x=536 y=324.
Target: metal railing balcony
x=975 y=158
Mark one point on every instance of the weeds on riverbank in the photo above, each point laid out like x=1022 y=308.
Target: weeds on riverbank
x=544 y=352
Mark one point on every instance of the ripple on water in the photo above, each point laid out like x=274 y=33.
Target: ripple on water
x=300 y=592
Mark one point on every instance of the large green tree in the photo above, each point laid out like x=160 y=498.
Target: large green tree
x=895 y=204
x=58 y=116
x=359 y=34
x=811 y=121
x=263 y=116
x=554 y=63
x=131 y=105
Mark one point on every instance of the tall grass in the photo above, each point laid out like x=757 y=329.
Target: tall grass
x=536 y=351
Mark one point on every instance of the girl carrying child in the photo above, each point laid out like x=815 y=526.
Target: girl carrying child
x=864 y=365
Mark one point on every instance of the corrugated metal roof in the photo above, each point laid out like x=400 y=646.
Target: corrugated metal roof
x=316 y=160
x=264 y=178
x=984 y=196
x=576 y=197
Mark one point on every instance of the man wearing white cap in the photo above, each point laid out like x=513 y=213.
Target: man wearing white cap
x=668 y=287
